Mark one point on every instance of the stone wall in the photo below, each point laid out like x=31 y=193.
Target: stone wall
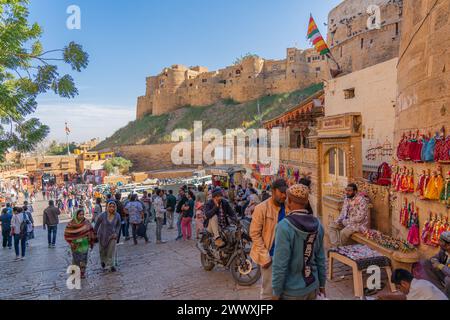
x=254 y=77
x=424 y=90
x=377 y=110
x=353 y=44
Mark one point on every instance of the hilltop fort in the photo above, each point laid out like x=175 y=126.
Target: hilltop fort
x=251 y=78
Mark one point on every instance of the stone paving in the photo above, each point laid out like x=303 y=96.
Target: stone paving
x=170 y=271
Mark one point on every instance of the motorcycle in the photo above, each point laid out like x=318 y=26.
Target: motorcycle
x=235 y=255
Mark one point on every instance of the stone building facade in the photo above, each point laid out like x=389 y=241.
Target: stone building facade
x=254 y=77
x=423 y=103
x=355 y=42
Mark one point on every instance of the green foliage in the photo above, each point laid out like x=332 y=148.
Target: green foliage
x=26 y=71
x=60 y=149
x=121 y=164
x=230 y=102
x=245 y=56
x=157 y=129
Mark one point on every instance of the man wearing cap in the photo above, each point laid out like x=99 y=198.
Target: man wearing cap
x=299 y=268
x=217 y=212
x=262 y=231
x=438 y=267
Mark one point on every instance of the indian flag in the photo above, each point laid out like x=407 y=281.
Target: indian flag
x=316 y=38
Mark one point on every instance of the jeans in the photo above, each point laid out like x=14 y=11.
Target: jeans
x=134 y=229
x=126 y=228
x=266 y=285
x=159 y=225
x=23 y=244
x=170 y=218
x=7 y=239
x=187 y=228
x=180 y=232
x=52 y=234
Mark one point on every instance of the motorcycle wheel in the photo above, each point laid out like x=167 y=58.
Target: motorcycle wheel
x=245 y=273
x=207 y=264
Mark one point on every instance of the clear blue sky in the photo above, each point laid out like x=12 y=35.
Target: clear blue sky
x=130 y=40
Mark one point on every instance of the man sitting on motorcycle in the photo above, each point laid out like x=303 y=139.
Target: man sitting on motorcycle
x=217 y=212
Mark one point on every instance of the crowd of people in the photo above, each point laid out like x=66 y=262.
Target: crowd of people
x=287 y=238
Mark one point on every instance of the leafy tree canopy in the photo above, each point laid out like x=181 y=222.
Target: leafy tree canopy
x=119 y=164
x=27 y=70
x=60 y=149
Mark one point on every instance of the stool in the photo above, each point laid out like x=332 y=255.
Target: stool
x=359 y=258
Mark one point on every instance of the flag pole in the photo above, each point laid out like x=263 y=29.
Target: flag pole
x=67 y=139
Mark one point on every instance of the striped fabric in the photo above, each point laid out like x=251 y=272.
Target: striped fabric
x=316 y=38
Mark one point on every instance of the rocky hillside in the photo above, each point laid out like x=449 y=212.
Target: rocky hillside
x=224 y=115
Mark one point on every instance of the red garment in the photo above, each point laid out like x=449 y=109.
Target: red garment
x=416 y=150
x=403 y=149
x=438 y=149
x=421 y=185
x=444 y=154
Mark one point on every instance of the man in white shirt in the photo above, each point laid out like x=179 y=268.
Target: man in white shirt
x=413 y=289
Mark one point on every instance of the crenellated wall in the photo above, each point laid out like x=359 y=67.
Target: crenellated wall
x=254 y=77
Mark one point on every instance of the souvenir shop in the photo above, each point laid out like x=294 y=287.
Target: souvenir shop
x=421 y=189
x=220 y=178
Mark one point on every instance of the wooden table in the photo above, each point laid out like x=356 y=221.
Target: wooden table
x=357 y=274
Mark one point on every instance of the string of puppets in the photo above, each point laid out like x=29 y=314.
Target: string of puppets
x=430 y=186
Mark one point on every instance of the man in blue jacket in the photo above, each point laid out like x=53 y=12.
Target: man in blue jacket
x=5 y=219
x=299 y=268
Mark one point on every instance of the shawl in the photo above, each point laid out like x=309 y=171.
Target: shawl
x=77 y=230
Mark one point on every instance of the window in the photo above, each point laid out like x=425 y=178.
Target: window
x=238 y=72
x=47 y=165
x=332 y=162
x=309 y=59
x=396 y=29
x=362 y=43
x=291 y=58
x=204 y=80
x=293 y=71
x=336 y=163
x=323 y=57
x=318 y=69
x=349 y=93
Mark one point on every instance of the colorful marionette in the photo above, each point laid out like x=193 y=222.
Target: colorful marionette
x=445 y=194
x=404 y=180
x=435 y=186
x=436 y=233
x=428 y=149
x=428 y=230
x=414 y=232
x=445 y=157
x=410 y=179
x=404 y=216
x=420 y=184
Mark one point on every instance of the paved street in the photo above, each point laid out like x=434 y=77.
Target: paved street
x=168 y=271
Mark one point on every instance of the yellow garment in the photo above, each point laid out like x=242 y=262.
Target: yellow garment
x=434 y=188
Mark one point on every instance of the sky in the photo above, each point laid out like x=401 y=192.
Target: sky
x=128 y=41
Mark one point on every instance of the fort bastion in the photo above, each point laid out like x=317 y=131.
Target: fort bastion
x=254 y=77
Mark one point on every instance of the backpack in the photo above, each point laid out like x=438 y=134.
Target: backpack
x=24 y=226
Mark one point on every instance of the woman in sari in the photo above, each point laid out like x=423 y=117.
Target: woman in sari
x=80 y=236
x=107 y=228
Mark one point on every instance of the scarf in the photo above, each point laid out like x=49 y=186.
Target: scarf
x=78 y=230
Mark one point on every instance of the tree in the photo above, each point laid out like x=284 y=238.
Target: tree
x=60 y=149
x=117 y=164
x=26 y=71
x=246 y=56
